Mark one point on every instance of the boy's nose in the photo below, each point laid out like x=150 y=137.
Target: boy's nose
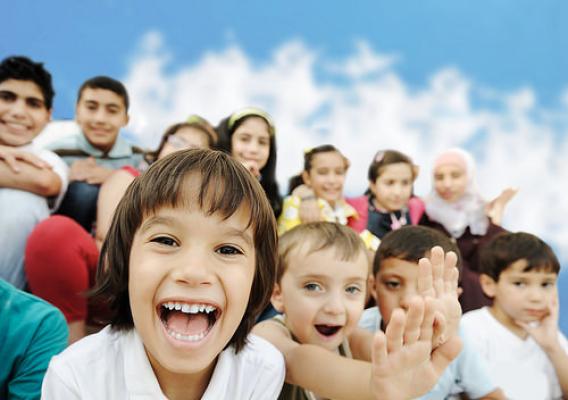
x=333 y=305
x=19 y=108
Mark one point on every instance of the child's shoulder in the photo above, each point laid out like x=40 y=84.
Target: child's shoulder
x=259 y=351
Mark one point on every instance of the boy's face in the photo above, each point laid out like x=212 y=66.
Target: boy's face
x=393 y=187
x=23 y=113
x=327 y=176
x=520 y=296
x=322 y=296
x=190 y=278
x=101 y=114
x=395 y=284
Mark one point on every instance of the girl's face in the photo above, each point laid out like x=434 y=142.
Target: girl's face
x=250 y=144
x=190 y=277
x=393 y=187
x=450 y=182
x=327 y=176
x=184 y=138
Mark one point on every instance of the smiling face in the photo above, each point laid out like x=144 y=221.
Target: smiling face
x=327 y=176
x=393 y=187
x=450 y=182
x=190 y=277
x=250 y=143
x=395 y=284
x=23 y=113
x=322 y=296
x=524 y=296
x=101 y=113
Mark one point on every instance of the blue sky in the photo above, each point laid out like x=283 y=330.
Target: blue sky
x=420 y=76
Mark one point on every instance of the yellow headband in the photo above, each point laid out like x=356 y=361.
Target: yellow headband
x=251 y=111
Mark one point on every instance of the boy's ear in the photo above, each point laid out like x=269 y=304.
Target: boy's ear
x=372 y=285
x=277 y=299
x=488 y=285
x=415 y=171
x=306 y=178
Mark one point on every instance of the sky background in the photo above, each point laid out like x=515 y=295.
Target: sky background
x=418 y=76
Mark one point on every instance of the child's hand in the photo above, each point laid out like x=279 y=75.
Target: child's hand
x=252 y=167
x=89 y=171
x=496 y=207
x=438 y=281
x=545 y=331
x=12 y=156
x=403 y=363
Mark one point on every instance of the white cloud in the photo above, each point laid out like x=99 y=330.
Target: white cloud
x=373 y=108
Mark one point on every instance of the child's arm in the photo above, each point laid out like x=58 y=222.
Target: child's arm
x=547 y=337
x=89 y=171
x=24 y=171
x=404 y=365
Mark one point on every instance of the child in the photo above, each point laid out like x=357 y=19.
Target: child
x=322 y=277
x=388 y=204
x=185 y=269
x=102 y=110
x=32 y=180
x=518 y=335
x=249 y=135
x=324 y=173
x=31 y=332
x=61 y=256
x=396 y=272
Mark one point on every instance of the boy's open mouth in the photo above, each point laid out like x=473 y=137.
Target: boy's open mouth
x=328 y=330
x=188 y=322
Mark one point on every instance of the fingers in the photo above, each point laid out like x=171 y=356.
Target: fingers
x=379 y=355
x=11 y=162
x=427 y=327
x=414 y=318
x=438 y=264
x=440 y=326
x=425 y=281
x=33 y=160
x=395 y=330
x=443 y=355
x=451 y=273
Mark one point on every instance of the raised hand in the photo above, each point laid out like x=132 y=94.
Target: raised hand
x=404 y=364
x=438 y=282
x=545 y=331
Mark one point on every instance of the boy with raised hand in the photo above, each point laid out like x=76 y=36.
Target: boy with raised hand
x=32 y=180
x=518 y=334
x=397 y=279
x=322 y=277
x=101 y=111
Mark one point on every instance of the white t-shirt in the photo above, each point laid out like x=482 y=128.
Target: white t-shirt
x=58 y=166
x=520 y=367
x=114 y=365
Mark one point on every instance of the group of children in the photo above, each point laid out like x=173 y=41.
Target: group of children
x=180 y=261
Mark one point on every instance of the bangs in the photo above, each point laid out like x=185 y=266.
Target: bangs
x=542 y=264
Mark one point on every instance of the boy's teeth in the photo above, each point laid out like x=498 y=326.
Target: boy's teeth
x=189 y=308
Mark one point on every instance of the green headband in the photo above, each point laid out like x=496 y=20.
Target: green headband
x=248 y=112
x=194 y=118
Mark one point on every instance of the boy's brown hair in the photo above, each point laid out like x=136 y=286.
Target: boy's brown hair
x=225 y=187
x=508 y=247
x=318 y=236
x=411 y=243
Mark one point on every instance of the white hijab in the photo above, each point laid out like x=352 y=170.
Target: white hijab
x=469 y=210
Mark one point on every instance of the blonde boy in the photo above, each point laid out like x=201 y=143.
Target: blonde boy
x=518 y=335
x=322 y=278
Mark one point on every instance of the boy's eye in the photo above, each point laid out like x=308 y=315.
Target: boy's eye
x=519 y=284
x=392 y=284
x=34 y=103
x=164 y=240
x=547 y=285
x=229 y=250
x=7 y=96
x=352 y=289
x=312 y=287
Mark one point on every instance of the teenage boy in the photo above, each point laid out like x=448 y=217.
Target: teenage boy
x=518 y=334
x=101 y=111
x=32 y=181
x=396 y=281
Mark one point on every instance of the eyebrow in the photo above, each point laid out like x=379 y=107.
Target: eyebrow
x=156 y=220
x=25 y=97
x=324 y=277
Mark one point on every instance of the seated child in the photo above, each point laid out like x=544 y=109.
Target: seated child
x=324 y=173
x=31 y=332
x=323 y=272
x=396 y=271
x=388 y=204
x=187 y=266
x=518 y=335
x=32 y=180
x=101 y=111
x=61 y=256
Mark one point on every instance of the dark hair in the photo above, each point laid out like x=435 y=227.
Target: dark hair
x=411 y=243
x=507 y=247
x=107 y=83
x=309 y=155
x=23 y=69
x=227 y=128
x=164 y=184
x=387 y=157
x=319 y=236
x=193 y=121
